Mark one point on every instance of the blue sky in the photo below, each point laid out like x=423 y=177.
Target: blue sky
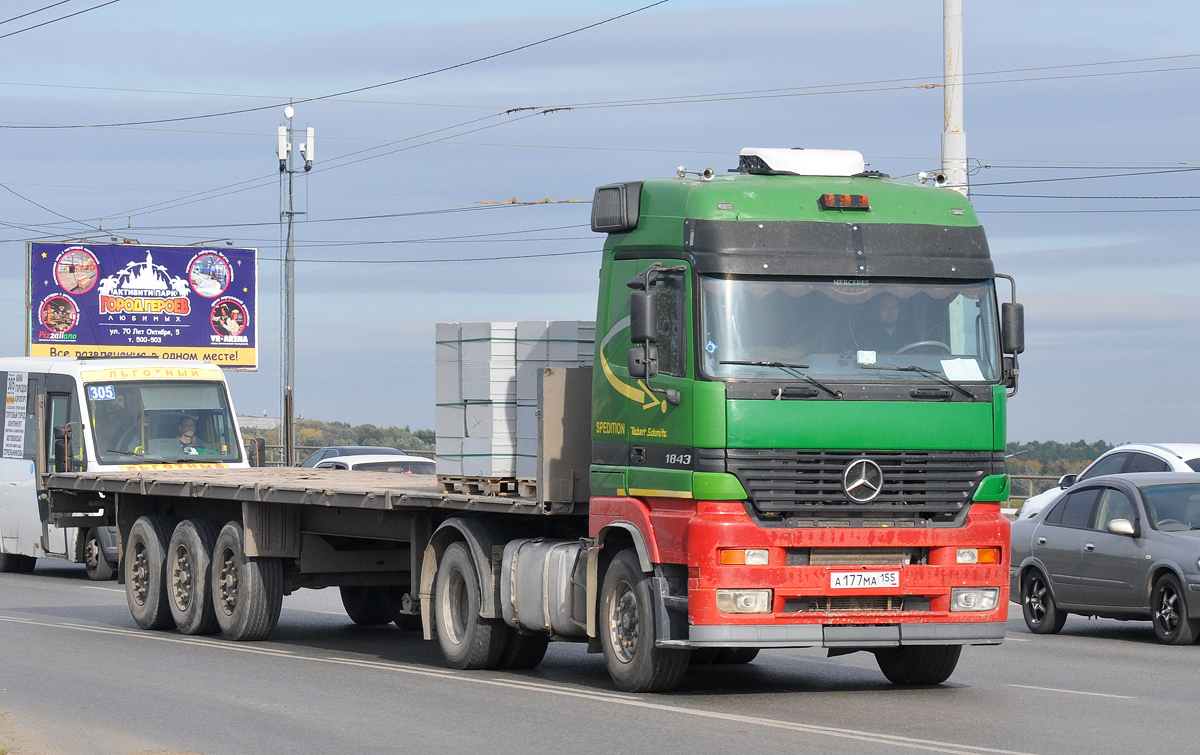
x=1111 y=295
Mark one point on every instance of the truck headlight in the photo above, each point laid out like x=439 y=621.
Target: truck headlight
x=744 y=557
x=744 y=601
x=977 y=556
x=974 y=598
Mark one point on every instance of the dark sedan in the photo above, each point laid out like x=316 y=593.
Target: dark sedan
x=1121 y=546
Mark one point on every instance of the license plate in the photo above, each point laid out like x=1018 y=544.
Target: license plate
x=858 y=580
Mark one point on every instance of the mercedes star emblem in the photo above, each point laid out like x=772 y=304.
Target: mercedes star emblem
x=862 y=480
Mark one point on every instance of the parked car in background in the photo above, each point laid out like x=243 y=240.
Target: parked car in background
x=1131 y=457
x=382 y=463
x=1118 y=546
x=329 y=452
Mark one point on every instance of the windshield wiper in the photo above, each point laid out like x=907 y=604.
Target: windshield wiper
x=791 y=369
x=130 y=453
x=914 y=368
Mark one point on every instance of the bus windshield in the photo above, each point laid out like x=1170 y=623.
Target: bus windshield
x=850 y=329
x=162 y=422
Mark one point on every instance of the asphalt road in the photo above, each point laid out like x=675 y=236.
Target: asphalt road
x=77 y=676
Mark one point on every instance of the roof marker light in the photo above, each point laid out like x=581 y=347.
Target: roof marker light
x=844 y=202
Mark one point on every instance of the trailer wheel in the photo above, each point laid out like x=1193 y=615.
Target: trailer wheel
x=366 y=606
x=97 y=566
x=146 y=572
x=627 y=631
x=468 y=641
x=918 y=664
x=247 y=592
x=189 y=576
x=523 y=650
x=736 y=655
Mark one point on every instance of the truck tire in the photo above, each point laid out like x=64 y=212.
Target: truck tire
x=247 y=592
x=736 y=655
x=468 y=641
x=26 y=564
x=146 y=571
x=523 y=650
x=626 y=625
x=189 y=576
x=366 y=606
x=703 y=656
x=97 y=566
x=918 y=664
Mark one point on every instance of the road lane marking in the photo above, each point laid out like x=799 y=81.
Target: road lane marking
x=105 y=589
x=518 y=683
x=1073 y=691
x=1017 y=639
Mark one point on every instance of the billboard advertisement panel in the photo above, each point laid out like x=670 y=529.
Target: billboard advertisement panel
x=170 y=302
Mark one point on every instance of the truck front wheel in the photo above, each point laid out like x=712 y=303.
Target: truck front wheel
x=627 y=631
x=468 y=641
x=918 y=664
x=247 y=592
x=146 y=572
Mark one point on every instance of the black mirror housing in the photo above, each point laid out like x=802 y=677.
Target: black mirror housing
x=1012 y=328
x=643 y=317
x=642 y=361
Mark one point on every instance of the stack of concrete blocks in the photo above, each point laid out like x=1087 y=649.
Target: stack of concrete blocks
x=487 y=391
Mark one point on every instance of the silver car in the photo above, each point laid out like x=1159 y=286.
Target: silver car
x=1119 y=546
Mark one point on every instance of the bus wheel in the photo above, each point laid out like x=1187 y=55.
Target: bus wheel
x=189 y=574
x=247 y=592
x=97 y=566
x=468 y=641
x=626 y=626
x=146 y=571
x=918 y=664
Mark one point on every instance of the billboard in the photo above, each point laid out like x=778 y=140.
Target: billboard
x=170 y=302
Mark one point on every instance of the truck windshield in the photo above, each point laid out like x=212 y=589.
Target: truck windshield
x=848 y=329
x=161 y=422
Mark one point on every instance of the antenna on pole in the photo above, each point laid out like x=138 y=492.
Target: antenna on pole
x=954 y=139
x=288 y=377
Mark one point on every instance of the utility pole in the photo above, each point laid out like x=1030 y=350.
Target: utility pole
x=954 y=139
x=288 y=378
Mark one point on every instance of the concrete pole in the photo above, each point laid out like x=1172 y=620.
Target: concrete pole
x=289 y=319
x=954 y=139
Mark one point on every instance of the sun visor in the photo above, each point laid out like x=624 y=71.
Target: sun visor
x=801 y=162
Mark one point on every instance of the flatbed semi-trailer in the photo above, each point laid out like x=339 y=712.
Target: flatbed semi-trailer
x=793 y=437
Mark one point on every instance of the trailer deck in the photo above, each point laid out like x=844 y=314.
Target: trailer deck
x=381 y=491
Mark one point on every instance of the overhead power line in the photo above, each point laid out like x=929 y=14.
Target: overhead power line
x=35 y=11
x=1087 y=178
x=54 y=20
x=355 y=90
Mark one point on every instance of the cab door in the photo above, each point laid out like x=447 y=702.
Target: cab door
x=64 y=452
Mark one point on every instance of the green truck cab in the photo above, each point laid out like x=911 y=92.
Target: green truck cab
x=799 y=395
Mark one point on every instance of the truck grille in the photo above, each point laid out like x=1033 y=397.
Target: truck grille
x=810 y=482
x=832 y=603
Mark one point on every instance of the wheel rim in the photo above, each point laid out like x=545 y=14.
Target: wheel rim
x=228 y=582
x=1035 y=600
x=1166 y=612
x=182 y=578
x=456 y=606
x=623 y=622
x=91 y=554
x=139 y=574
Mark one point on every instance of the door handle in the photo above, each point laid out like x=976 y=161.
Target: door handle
x=1089 y=547
x=1041 y=541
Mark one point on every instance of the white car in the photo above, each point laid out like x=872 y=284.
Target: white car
x=399 y=464
x=1131 y=457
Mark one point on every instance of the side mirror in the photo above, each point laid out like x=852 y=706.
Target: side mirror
x=643 y=317
x=642 y=361
x=1010 y=371
x=1122 y=527
x=1067 y=480
x=1012 y=328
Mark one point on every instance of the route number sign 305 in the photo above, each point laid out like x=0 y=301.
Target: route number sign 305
x=859 y=580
